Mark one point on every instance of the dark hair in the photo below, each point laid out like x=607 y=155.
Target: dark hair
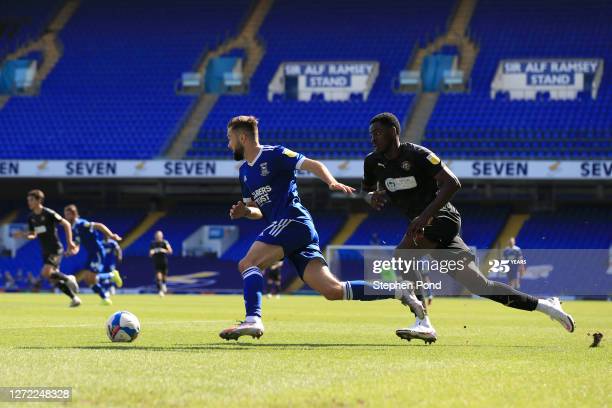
x=387 y=119
x=37 y=194
x=71 y=208
x=247 y=124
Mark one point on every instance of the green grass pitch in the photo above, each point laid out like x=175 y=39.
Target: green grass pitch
x=314 y=353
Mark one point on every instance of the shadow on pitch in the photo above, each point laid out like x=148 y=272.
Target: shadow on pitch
x=224 y=346
x=241 y=346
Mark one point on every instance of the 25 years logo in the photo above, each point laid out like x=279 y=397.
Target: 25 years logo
x=498 y=266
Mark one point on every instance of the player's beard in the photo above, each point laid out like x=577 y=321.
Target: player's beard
x=239 y=153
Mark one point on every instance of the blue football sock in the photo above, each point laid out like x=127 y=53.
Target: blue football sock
x=98 y=289
x=106 y=284
x=362 y=290
x=253 y=289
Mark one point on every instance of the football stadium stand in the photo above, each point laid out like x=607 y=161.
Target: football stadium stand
x=568 y=228
x=23 y=21
x=318 y=128
x=472 y=125
x=479 y=226
x=112 y=93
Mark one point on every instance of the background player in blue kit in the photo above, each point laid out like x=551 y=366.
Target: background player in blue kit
x=514 y=254
x=113 y=255
x=269 y=191
x=84 y=233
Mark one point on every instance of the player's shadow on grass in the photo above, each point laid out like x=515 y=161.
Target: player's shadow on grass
x=213 y=346
x=238 y=346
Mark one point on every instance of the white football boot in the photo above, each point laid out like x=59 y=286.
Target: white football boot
x=75 y=302
x=254 y=329
x=556 y=312
x=422 y=329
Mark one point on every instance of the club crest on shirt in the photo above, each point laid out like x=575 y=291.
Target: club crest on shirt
x=405 y=166
x=264 y=169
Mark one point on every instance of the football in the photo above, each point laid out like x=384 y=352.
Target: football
x=122 y=327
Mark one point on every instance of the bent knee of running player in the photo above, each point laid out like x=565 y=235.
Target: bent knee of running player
x=261 y=255
x=318 y=276
x=47 y=270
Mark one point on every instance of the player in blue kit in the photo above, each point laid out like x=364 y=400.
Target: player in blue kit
x=269 y=191
x=84 y=233
x=514 y=255
x=112 y=256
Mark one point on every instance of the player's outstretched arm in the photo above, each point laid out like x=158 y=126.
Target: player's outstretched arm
x=73 y=249
x=322 y=172
x=242 y=210
x=105 y=230
x=24 y=235
x=118 y=253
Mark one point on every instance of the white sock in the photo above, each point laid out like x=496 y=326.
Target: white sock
x=425 y=322
x=347 y=291
x=253 y=319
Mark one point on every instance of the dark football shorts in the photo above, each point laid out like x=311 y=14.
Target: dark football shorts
x=274 y=275
x=444 y=230
x=162 y=268
x=52 y=258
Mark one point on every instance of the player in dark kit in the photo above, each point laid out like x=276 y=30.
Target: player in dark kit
x=415 y=180
x=42 y=224
x=159 y=251
x=273 y=279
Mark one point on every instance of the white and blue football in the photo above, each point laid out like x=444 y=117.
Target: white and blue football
x=122 y=327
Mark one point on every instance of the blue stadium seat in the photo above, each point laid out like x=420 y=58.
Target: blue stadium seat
x=112 y=93
x=549 y=29
x=339 y=35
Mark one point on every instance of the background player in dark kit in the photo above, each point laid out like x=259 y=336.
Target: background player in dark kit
x=273 y=279
x=42 y=224
x=159 y=251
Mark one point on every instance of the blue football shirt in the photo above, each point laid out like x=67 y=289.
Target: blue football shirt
x=269 y=181
x=85 y=235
